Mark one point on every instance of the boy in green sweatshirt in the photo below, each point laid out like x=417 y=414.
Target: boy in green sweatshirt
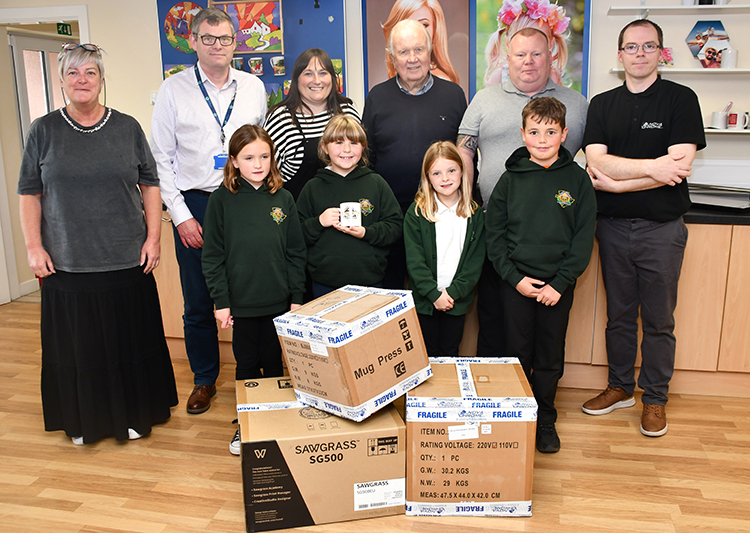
x=540 y=233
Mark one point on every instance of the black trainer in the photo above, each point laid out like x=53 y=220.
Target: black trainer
x=547 y=440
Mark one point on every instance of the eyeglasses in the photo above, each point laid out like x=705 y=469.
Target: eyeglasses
x=89 y=47
x=632 y=48
x=209 y=40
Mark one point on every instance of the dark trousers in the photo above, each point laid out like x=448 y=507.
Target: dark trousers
x=318 y=289
x=201 y=334
x=442 y=333
x=490 y=342
x=535 y=333
x=395 y=271
x=641 y=264
x=256 y=346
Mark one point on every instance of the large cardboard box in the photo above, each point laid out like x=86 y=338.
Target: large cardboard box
x=471 y=433
x=302 y=466
x=355 y=350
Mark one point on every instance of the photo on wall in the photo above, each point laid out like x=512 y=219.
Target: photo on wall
x=563 y=21
x=707 y=40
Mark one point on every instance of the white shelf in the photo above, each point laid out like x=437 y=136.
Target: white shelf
x=707 y=71
x=729 y=9
x=727 y=131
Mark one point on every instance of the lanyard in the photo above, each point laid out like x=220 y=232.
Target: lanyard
x=211 y=106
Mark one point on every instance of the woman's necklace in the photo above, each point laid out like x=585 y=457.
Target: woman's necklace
x=92 y=130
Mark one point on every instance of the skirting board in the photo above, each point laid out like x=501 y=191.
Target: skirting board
x=735 y=384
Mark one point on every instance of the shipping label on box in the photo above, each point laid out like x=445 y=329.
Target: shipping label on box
x=471 y=435
x=354 y=350
x=302 y=466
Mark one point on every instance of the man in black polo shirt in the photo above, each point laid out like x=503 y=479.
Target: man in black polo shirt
x=640 y=142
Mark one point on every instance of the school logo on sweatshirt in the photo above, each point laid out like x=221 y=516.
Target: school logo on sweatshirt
x=564 y=198
x=277 y=214
x=366 y=206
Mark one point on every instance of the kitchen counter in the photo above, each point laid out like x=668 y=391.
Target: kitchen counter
x=717 y=215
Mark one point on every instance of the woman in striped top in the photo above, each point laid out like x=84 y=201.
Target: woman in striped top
x=296 y=123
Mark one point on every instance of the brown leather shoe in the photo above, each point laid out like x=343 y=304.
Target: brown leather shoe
x=608 y=400
x=200 y=399
x=653 y=420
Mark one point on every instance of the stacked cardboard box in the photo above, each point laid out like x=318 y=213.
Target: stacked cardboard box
x=471 y=433
x=302 y=466
x=354 y=350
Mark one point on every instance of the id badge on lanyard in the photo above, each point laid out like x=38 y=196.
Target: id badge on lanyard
x=219 y=159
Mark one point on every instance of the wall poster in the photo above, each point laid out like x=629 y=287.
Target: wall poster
x=259 y=26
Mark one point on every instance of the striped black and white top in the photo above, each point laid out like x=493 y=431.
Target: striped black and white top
x=288 y=138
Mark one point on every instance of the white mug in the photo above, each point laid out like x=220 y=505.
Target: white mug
x=719 y=120
x=729 y=58
x=738 y=120
x=351 y=214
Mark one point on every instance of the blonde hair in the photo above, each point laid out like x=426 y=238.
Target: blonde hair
x=498 y=47
x=247 y=134
x=342 y=127
x=425 y=197
x=402 y=10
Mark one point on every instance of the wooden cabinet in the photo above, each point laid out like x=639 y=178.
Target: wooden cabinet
x=734 y=354
x=712 y=319
x=700 y=301
x=170 y=292
x=579 y=339
x=712 y=315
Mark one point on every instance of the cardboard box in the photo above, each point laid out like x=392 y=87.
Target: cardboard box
x=471 y=433
x=355 y=350
x=302 y=466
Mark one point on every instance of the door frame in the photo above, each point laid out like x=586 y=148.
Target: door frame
x=47 y=44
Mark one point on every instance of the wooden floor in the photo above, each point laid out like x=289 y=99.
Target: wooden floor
x=181 y=478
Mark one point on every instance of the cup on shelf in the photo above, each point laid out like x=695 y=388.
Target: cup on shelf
x=719 y=120
x=738 y=120
x=729 y=58
x=688 y=2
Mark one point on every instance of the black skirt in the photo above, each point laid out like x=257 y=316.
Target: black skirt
x=105 y=361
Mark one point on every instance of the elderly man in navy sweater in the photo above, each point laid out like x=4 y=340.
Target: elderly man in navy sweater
x=403 y=117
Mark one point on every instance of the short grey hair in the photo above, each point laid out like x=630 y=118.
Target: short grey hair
x=405 y=24
x=72 y=59
x=213 y=16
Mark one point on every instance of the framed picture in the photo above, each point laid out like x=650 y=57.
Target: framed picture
x=569 y=68
x=259 y=28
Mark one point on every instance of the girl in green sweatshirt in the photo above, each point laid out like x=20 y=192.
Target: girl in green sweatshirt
x=339 y=254
x=253 y=254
